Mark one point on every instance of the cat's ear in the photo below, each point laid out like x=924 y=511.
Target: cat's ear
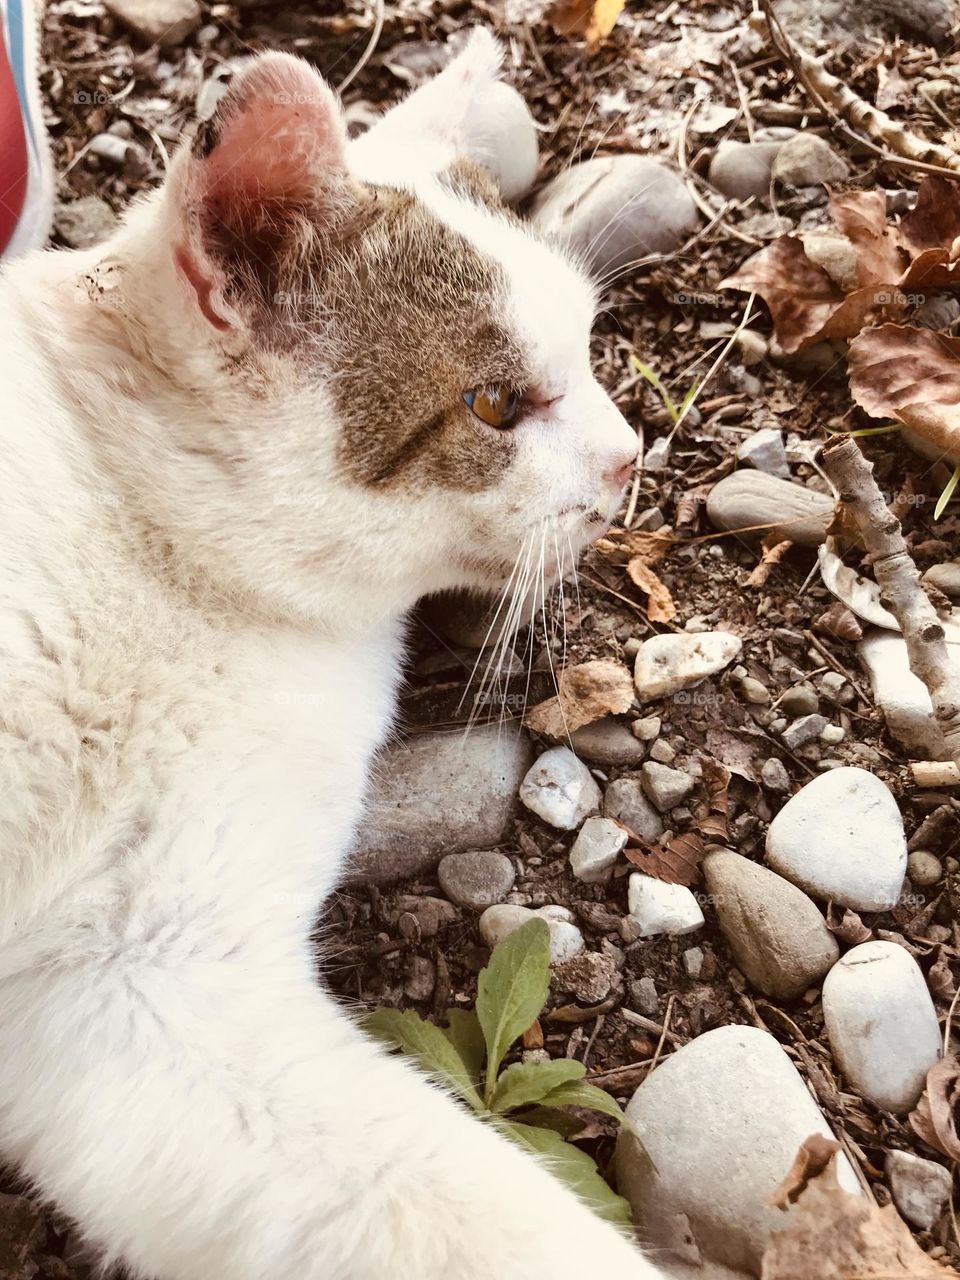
x=438 y=123
x=265 y=172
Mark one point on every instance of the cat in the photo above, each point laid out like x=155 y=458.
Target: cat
x=304 y=384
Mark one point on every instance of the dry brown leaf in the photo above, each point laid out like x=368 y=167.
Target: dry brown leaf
x=660 y=604
x=813 y=1156
x=716 y=781
x=771 y=557
x=588 y=691
x=932 y=269
x=533 y=1036
x=934 y=1119
x=847 y=925
x=892 y=89
x=689 y=505
x=620 y=545
x=862 y=217
x=835 y=1235
x=592 y=19
x=913 y=375
x=934 y=222
x=839 y=621
x=940 y=980
x=675 y=861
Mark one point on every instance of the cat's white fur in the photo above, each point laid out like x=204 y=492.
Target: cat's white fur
x=186 y=726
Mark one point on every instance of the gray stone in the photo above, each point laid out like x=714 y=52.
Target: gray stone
x=806 y=160
x=881 y=1023
x=478 y=878
x=607 y=741
x=754 y=692
x=440 y=793
x=588 y=976
x=778 y=937
x=835 y=688
x=625 y=801
x=803 y=731
x=502 y=137
x=566 y=940
x=841 y=837
x=946 y=578
x=560 y=789
x=722 y=1119
x=617 y=209
x=801 y=700
x=740 y=170
x=666 y=787
x=84 y=222
x=662 y=752
x=430 y=914
x=596 y=849
x=924 y=868
x=746 y=498
x=163 y=22
x=765 y=451
x=644 y=998
x=774 y=776
x=920 y=1188
x=693 y=959
x=421 y=978
x=657 y=907
x=672 y=661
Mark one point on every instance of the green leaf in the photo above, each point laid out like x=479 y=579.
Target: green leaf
x=687 y=400
x=579 y=1093
x=574 y=1168
x=428 y=1045
x=657 y=385
x=563 y=1122
x=511 y=991
x=526 y=1082
x=946 y=495
x=466 y=1036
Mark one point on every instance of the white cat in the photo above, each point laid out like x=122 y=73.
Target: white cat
x=238 y=441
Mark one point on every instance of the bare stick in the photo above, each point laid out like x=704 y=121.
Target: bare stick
x=899 y=581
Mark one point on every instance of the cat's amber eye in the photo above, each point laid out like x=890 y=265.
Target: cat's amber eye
x=497 y=406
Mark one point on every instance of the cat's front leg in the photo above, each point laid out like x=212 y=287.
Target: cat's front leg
x=205 y=1120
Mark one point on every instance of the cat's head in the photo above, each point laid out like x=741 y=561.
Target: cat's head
x=391 y=369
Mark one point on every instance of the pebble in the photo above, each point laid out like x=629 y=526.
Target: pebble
x=560 y=789
x=881 y=1023
x=753 y=349
x=163 y=22
x=112 y=150
x=832 y=734
x=476 y=879
x=834 y=687
x=806 y=160
x=801 y=700
x=657 y=907
x=669 y=662
x=746 y=498
x=84 y=222
x=924 y=868
x=588 y=976
x=765 y=451
x=662 y=752
x=803 y=731
x=666 y=787
x=430 y=914
x=740 y=170
x=841 y=837
x=440 y=793
x=920 y=1188
x=779 y=939
x=643 y=997
x=754 y=692
x=421 y=978
x=693 y=959
x=901 y=695
x=566 y=940
x=946 y=578
x=625 y=801
x=607 y=741
x=631 y=648
x=836 y=255
x=647 y=728
x=615 y=209
x=502 y=137
x=722 y=1119
x=774 y=776
x=596 y=849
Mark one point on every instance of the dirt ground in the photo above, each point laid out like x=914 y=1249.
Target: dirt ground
x=634 y=93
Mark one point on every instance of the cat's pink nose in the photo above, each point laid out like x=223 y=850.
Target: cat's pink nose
x=619 y=475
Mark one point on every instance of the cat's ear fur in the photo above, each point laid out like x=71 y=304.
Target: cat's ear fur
x=262 y=177
x=438 y=123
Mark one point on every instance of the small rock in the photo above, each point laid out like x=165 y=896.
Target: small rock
x=920 y=1188
x=85 y=222
x=421 y=978
x=596 y=849
x=431 y=914
x=662 y=752
x=500 y=921
x=625 y=801
x=163 y=22
x=560 y=789
x=841 y=837
x=666 y=787
x=588 y=976
x=803 y=731
x=801 y=700
x=669 y=662
x=615 y=209
x=924 y=868
x=747 y=498
x=607 y=741
x=753 y=349
x=881 y=1023
x=478 y=878
x=765 y=451
x=946 y=578
x=502 y=138
x=657 y=907
x=111 y=149
x=836 y=255
x=806 y=160
x=903 y=697
x=774 y=776
x=834 y=687
x=754 y=692
x=740 y=170
x=631 y=648
x=693 y=959
x=832 y=734
x=644 y=998
x=778 y=937
x=648 y=727
x=722 y=1119
x=650 y=520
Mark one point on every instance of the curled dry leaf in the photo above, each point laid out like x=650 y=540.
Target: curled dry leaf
x=839 y=621
x=940 y=980
x=771 y=557
x=588 y=691
x=813 y=1156
x=847 y=925
x=934 y=221
x=934 y=1119
x=675 y=861
x=622 y=545
x=592 y=19
x=834 y=1235
x=660 y=603
x=716 y=780
x=860 y=594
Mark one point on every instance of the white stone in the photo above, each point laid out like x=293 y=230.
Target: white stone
x=739 y=170
x=881 y=1023
x=560 y=789
x=596 y=849
x=902 y=696
x=625 y=801
x=657 y=907
x=841 y=837
x=920 y=1188
x=500 y=921
x=502 y=137
x=669 y=662
x=722 y=1119
x=666 y=787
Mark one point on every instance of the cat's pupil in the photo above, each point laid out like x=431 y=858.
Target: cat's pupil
x=497 y=406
